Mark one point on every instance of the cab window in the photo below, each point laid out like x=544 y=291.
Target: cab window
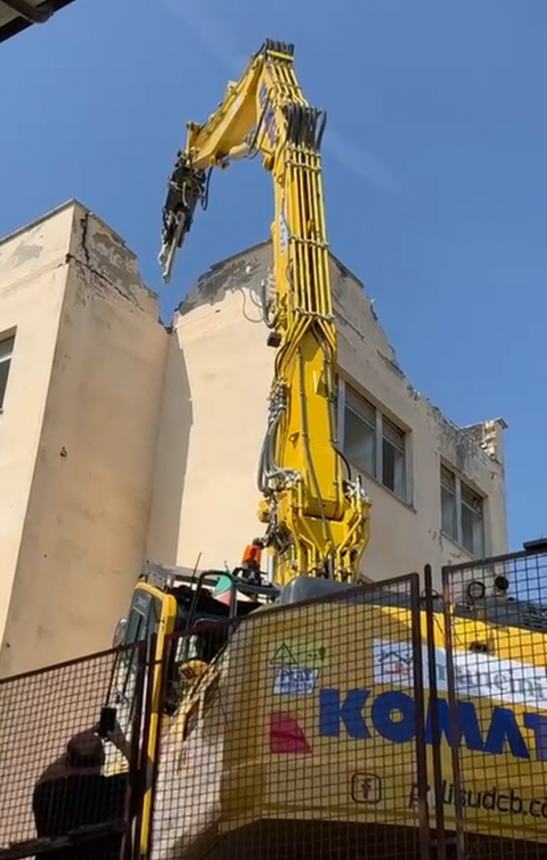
x=143 y=618
x=142 y=623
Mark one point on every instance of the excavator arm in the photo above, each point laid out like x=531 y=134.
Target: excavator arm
x=316 y=515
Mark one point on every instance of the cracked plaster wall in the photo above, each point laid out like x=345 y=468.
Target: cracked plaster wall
x=77 y=437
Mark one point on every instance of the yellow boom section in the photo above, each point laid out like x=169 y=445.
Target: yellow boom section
x=316 y=516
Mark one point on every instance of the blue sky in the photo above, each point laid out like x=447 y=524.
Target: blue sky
x=435 y=170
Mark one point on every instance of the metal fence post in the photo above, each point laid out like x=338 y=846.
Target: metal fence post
x=418 y=679
x=453 y=716
x=433 y=716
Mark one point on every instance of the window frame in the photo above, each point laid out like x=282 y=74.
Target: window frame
x=387 y=424
x=371 y=423
x=453 y=491
x=461 y=485
x=381 y=415
x=6 y=337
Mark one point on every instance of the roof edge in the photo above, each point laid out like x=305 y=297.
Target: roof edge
x=76 y=204
x=41 y=218
x=19 y=23
x=342 y=266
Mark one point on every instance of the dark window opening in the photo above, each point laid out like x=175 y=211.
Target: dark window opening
x=6 y=352
x=393 y=458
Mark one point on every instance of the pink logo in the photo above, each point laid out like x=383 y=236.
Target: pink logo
x=286 y=736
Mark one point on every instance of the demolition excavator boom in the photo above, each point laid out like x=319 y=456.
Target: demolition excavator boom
x=315 y=514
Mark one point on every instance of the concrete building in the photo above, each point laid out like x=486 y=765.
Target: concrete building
x=437 y=490
x=83 y=357
x=121 y=440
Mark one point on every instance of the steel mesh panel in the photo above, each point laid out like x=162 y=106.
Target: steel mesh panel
x=40 y=712
x=494 y=789
x=296 y=734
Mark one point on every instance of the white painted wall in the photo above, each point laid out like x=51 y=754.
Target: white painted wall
x=32 y=286
x=88 y=372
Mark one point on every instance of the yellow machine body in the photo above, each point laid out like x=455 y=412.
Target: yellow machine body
x=339 y=745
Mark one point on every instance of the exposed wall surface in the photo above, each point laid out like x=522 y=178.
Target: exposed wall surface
x=97 y=389
x=121 y=441
x=213 y=420
x=227 y=369
x=32 y=284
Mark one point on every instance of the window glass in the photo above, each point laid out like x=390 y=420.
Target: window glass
x=6 y=352
x=462 y=516
x=142 y=623
x=472 y=521
x=136 y=627
x=374 y=444
x=393 y=458
x=360 y=432
x=449 y=522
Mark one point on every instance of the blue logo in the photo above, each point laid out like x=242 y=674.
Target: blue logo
x=393 y=716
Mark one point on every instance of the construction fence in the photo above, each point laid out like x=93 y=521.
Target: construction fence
x=494 y=671
x=389 y=721
x=49 y=728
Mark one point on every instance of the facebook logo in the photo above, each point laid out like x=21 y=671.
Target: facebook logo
x=366 y=788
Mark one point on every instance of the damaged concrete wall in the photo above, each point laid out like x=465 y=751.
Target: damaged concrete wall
x=219 y=348
x=91 y=469
x=406 y=536
x=213 y=419
x=476 y=454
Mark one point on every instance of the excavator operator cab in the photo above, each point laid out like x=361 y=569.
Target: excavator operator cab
x=177 y=598
x=197 y=605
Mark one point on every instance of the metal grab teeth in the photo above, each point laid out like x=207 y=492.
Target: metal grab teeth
x=276 y=47
x=305 y=125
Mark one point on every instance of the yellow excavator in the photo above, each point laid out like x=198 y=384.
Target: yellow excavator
x=315 y=513
x=290 y=703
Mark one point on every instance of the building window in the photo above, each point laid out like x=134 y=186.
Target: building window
x=462 y=513
x=449 y=519
x=393 y=458
x=472 y=521
x=360 y=432
x=372 y=442
x=6 y=352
